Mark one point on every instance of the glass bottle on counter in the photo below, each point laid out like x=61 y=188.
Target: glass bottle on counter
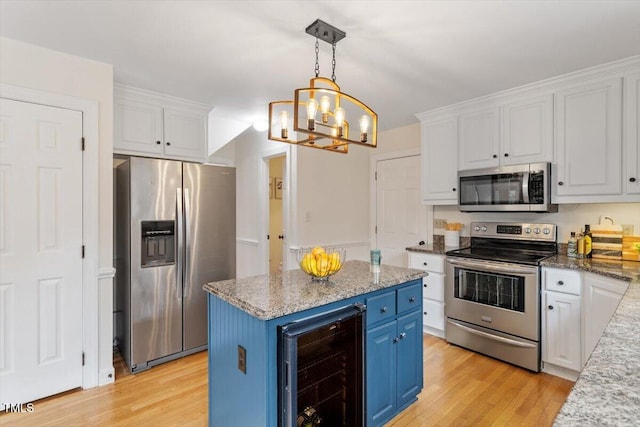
x=580 y=246
x=572 y=246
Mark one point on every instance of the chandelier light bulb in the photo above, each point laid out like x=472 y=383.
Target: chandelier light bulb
x=284 y=122
x=364 y=127
x=325 y=103
x=312 y=108
x=339 y=116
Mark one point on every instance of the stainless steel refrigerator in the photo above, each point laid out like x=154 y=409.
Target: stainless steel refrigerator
x=175 y=231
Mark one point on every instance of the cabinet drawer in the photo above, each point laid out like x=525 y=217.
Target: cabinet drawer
x=560 y=280
x=433 y=287
x=429 y=262
x=433 y=314
x=409 y=297
x=381 y=307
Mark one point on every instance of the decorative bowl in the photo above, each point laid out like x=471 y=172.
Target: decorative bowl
x=320 y=263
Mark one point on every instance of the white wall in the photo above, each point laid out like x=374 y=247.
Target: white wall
x=333 y=199
x=43 y=69
x=398 y=139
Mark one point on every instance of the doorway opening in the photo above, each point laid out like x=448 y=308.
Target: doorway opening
x=276 y=229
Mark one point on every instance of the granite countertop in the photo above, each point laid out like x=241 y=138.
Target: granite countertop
x=623 y=270
x=607 y=392
x=269 y=296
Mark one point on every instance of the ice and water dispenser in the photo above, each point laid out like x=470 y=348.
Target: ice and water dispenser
x=158 y=243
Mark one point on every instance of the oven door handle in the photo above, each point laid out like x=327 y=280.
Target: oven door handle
x=491 y=266
x=491 y=336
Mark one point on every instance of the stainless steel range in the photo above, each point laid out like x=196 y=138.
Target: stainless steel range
x=492 y=291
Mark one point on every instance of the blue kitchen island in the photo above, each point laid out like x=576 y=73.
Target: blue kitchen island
x=244 y=315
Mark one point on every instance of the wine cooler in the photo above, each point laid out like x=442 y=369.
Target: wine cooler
x=321 y=370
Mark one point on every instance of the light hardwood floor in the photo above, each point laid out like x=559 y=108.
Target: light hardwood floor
x=461 y=388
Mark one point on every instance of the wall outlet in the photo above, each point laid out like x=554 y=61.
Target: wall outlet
x=627 y=229
x=440 y=223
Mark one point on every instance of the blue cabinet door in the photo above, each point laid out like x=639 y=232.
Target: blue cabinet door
x=409 y=351
x=381 y=373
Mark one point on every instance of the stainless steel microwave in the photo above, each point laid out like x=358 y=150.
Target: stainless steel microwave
x=517 y=188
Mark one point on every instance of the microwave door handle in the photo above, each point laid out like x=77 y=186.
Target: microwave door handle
x=525 y=188
x=477 y=196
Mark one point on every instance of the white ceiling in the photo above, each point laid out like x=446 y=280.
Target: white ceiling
x=399 y=57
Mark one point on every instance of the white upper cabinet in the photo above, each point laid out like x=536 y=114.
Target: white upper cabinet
x=138 y=127
x=439 y=161
x=587 y=124
x=588 y=142
x=517 y=132
x=155 y=125
x=631 y=136
x=527 y=131
x=479 y=139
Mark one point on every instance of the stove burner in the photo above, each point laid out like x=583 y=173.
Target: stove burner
x=493 y=246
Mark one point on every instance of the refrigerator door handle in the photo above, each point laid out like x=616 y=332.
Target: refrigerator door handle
x=187 y=238
x=180 y=239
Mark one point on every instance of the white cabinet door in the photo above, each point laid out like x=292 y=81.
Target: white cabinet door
x=527 y=131
x=184 y=133
x=632 y=135
x=588 y=142
x=479 y=139
x=601 y=298
x=138 y=127
x=561 y=330
x=439 y=161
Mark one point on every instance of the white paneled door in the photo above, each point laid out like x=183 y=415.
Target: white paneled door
x=401 y=219
x=40 y=251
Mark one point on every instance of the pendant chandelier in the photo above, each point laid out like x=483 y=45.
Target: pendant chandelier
x=319 y=116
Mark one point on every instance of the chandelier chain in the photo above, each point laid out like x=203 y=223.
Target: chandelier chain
x=333 y=63
x=317 y=63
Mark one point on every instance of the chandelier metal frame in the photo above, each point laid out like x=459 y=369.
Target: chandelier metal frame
x=331 y=130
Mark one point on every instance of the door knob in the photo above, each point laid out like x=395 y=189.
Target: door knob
x=550 y=307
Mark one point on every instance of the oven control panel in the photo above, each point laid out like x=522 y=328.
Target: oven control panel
x=510 y=230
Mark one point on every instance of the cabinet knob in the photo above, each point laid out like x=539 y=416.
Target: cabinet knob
x=506 y=154
x=412 y=299
x=396 y=339
x=168 y=143
x=632 y=179
x=560 y=183
x=158 y=142
x=403 y=335
x=425 y=285
x=495 y=156
x=383 y=310
x=424 y=263
x=424 y=312
x=453 y=189
x=550 y=307
x=560 y=282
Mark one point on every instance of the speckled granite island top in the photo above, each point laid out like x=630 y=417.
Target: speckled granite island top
x=269 y=296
